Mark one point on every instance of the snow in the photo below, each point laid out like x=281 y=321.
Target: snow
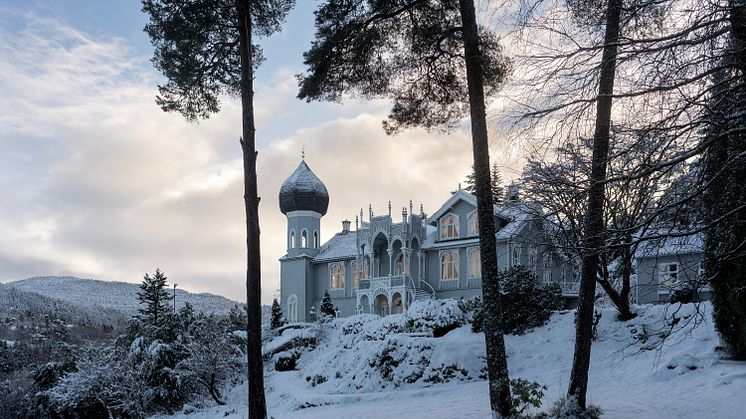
x=341 y=246
x=634 y=371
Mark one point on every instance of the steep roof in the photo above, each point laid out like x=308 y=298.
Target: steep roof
x=303 y=191
x=341 y=246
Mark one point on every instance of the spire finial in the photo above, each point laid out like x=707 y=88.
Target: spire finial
x=410 y=207
x=303 y=153
x=389 y=208
x=422 y=211
x=370 y=211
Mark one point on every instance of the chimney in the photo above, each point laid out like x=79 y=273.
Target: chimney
x=345 y=226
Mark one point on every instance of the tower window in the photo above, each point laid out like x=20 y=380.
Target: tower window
x=292 y=240
x=315 y=239
x=304 y=239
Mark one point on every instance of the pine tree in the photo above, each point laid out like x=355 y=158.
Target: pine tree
x=327 y=307
x=496 y=186
x=277 y=320
x=206 y=49
x=725 y=201
x=154 y=298
x=438 y=65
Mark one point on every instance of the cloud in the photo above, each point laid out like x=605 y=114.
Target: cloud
x=98 y=182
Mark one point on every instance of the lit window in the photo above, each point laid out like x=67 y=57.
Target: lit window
x=304 y=239
x=668 y=273
x=475 y=263
x=399 y=266
x=337 y=272
x=292 y=239
x=448 y=265
x=449 y=227
x=359 y=271
x=473 y=224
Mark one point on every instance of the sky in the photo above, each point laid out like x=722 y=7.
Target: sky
x=97 y=182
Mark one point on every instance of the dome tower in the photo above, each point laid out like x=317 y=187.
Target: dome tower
x=304 y=200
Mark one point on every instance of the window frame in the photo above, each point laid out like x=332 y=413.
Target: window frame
x=452 y=226
x=454 y=265
x=359 y=272
x=515 y=258
x=477 y=272
x=399 y=265
x=472 y=220
x=333 y=270
x=667 y=278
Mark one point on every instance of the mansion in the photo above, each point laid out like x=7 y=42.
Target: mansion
x=388 y=261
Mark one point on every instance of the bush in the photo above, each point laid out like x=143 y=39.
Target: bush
x=569 y=409
x=438 y=316
x=526 y=303
x=525 y=394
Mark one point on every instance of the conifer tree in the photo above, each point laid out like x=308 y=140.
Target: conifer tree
x=276 y=320
x=205 y=49
x=327 y=306
x=498 y=192
x=438 y=65
x=154 y=298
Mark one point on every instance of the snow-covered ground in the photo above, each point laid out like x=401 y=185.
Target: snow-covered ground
x=633 y=372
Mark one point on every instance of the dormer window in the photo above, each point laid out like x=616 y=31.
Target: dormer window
x=449 y=227
x=473 y=224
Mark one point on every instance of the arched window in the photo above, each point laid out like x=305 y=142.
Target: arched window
x=449 y=227
x=337 y=273
x=304 y=239
x=315 y=239
x=359 y=271
x=399 y=266
x=448 y=265
x=473 y=224
x=292 y=308
x=292 y=240
x=475 y=263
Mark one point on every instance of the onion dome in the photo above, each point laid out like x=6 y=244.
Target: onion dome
x=303 y=191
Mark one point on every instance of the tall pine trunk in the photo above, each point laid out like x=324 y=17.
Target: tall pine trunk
x=256 y=399
x=497 y=366
x=594 y=230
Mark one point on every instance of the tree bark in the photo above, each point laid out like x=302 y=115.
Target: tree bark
x=497 y=366
x=257 y=403
x=594 y=234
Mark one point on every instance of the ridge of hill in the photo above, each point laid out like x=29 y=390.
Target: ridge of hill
x=121 y=296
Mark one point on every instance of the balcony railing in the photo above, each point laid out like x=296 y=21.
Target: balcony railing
x=392 y=281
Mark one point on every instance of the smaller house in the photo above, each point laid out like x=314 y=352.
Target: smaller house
x=669 y=265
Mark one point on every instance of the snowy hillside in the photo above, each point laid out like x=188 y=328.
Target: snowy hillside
x=113 y=295
x=368 y=367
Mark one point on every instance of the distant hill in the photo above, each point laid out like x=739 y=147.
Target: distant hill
x=121 y=296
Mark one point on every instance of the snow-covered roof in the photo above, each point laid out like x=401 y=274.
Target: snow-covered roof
x=341 y=246
x=667 y=246
x=303 y=191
